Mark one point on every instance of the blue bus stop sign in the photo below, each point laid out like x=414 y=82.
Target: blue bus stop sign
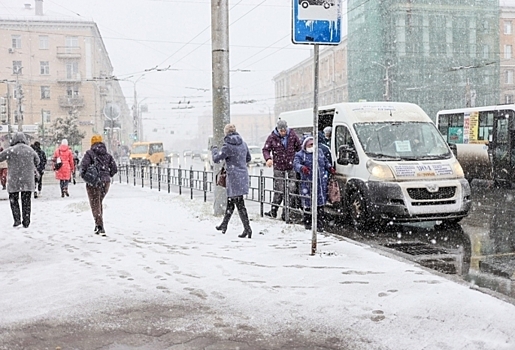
x=317 y=22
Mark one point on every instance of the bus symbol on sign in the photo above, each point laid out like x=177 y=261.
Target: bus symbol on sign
x=306 y=3
x=316 y=22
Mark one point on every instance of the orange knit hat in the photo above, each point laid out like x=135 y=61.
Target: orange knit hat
x=96 y=139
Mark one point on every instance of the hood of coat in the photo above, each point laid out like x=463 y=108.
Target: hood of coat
x=233 y=139
x=306 y=141
x=19 y=137
x=99 y=148
x=63 y=148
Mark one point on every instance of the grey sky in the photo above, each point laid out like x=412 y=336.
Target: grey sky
x=142 y=34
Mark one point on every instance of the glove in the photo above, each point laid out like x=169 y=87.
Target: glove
x=305 y=170
x=332 y=170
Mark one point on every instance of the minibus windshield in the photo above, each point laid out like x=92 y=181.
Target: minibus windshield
x=402 y=141
x=140 y=149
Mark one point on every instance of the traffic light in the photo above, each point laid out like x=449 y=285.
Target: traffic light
x=105 y=131
x=3 y=110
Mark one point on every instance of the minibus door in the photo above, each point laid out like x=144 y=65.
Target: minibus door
x=503 y=146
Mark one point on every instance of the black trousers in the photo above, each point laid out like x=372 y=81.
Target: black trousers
x=38 y=180
x=24 y=217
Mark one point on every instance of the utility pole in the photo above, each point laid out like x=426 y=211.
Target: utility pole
x=220 y=83
x=19 y=97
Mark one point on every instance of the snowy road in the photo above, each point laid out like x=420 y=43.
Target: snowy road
x=163 y=278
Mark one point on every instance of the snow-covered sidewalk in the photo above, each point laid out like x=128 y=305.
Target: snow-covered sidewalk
x=163 y=248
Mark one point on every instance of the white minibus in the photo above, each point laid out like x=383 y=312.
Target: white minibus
x=392 y=163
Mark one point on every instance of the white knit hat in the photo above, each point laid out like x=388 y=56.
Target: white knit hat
x=64 y=142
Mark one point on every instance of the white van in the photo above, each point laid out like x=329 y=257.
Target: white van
x=391 y=162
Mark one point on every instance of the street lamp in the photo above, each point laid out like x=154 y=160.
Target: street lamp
x=386 y=80
x=137 y=127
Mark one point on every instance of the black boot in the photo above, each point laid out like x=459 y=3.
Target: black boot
x=225 y=222
x=247 y=232
x=272 y=213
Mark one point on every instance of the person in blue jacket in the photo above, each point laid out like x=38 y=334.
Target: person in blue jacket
x=236 y=155
x=303 y=164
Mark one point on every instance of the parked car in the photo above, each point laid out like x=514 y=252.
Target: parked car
x=171 y=155
x=256 y=155
x=196 y=154
x=186 y=153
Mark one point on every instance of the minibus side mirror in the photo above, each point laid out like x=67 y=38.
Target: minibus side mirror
x=347 y=155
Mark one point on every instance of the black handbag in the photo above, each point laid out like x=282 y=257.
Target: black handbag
x=221 y=178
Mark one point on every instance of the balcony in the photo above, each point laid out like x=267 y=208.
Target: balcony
x=68 y=52
x=71 y=102
x=69 y=78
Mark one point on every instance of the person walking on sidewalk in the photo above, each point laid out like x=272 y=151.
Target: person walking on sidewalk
x=64 y=156
x=236 y=155
x=305 y=163
x=279 y=149
x=22 y=161
x=40 y=169
x=106 y=166
x=3 y=172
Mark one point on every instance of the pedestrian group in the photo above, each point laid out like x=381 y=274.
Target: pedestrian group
x=22 y=168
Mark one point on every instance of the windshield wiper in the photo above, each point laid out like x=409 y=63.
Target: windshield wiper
x=435 y=157
x=383 y=156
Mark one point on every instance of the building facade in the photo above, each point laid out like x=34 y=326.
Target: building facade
x=294 y=87
x=507 y=59
x=438 y=54
x=53 y=68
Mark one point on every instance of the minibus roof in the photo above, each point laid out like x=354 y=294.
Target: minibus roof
x=360 y=112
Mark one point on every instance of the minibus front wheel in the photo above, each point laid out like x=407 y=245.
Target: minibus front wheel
x=358 y=210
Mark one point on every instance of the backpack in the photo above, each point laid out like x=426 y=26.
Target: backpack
x=92 y=175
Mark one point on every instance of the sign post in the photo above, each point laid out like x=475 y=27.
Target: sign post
x=316 y=22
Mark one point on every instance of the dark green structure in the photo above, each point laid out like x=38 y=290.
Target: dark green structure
x=439 y=54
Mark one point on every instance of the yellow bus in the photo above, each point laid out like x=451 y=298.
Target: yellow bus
x=147 y=153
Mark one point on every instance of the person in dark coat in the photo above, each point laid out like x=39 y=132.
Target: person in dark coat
x=76 y=162
x=106 y=166
x=236 y=155
x=40 y=169
x=22 y=161
x=304 y=165
x=279 y=149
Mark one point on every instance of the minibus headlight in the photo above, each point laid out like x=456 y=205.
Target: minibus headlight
x=379 y=171
x=457 y=169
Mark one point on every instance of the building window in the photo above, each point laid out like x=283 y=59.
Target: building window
x=72 y=91
x=507 y=27
x=486 y=51
x=45 y=92
x=507 y=51
x=72 y=41
x=44 y=68
x=17 y=67
x=72 y=69
x=43 y=42
x=508 y=77
x=16 y=41
x=46 y=117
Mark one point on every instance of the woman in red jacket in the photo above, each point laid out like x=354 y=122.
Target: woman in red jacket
x=64 y=156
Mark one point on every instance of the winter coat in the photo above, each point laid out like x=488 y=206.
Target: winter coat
x=42 y=159
x=22 y=161
x=281 y=155
x=303 y=158
x=105 y=162
x=236 y=155
x=324 y=147
x=65 y=172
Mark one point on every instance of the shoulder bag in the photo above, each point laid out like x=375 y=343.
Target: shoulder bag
x=221 y=178
x=92 y=175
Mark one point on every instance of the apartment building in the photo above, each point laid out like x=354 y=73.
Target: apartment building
x=52 y=67
x=507 y=59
